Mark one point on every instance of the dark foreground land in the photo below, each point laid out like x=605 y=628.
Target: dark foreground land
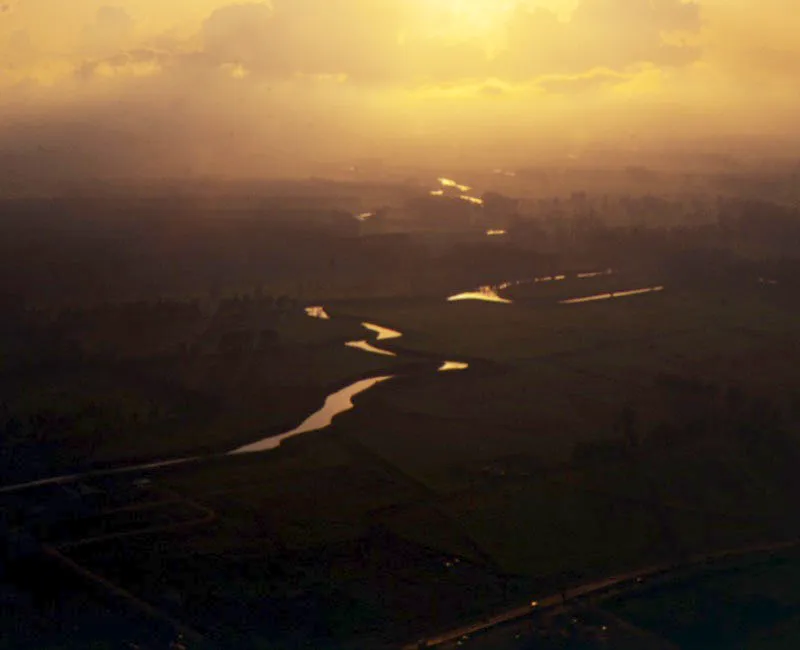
x=585 y=441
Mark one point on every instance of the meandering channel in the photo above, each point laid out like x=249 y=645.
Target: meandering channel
x=336 y=403
x=341 y=401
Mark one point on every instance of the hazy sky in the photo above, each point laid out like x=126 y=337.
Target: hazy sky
x=193 y=86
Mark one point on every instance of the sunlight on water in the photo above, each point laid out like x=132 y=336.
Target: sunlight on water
x=448 y=182
x=449 y=366
x=596 y=274
x=637 y=292
x=547 y=278
x=365 y=216
x=437 y=193
x=610 y=296
x=575 y=301
x=471 y=199
x=496 y=233
x=366 y=346
x=384 y=333
x=492 y=293
x=486 y=294
x=335 y=404
x=317 y=312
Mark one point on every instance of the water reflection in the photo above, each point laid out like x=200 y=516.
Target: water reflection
x=384 y=333
x=317 y=312
x=335 y=404
x=449 y=182
x=594 y=274
x=496 y=232
x=485 y=294
x=366 y=346
x=364 y=216
x=610 y=296
x=449 y=366
x=546 y=278
x=492 y=293
x=637 y=292
x=599 y=296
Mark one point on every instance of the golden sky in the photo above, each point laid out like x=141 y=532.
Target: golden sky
x=207 y=84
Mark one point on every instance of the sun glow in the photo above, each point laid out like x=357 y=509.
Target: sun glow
x=467 y=19
x=482 y=20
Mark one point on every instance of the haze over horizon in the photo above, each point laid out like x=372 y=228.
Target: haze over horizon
x=96 y=88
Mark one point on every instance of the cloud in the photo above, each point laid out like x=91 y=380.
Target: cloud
x=252 y=86
x=110 y=32
x=405 y=42
x=614 y=34
x=492 y=90
x=152 y=113
x=241 y=34
x=136 y=63
x=581 y=83
x=309 y=37
x=380 y=42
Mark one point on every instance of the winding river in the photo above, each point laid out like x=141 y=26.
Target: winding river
x=336 y=403
x=341 y=401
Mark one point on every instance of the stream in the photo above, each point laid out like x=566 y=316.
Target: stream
x=341 y=401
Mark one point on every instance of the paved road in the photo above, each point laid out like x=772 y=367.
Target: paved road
x=66 y=479
x=621 y=582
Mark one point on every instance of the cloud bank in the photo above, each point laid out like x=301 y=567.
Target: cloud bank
x=88 y=88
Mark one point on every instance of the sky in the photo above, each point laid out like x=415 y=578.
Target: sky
x=174 y=87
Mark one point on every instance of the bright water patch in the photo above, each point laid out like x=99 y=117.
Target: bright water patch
x=449 y=182
x=611 y=296
x=486 y=294
x=595 y=274
x=337 y=403
x=449 y=366
x=317 y=312
x=598 y=297
x=384 y=333
x=366 y=346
